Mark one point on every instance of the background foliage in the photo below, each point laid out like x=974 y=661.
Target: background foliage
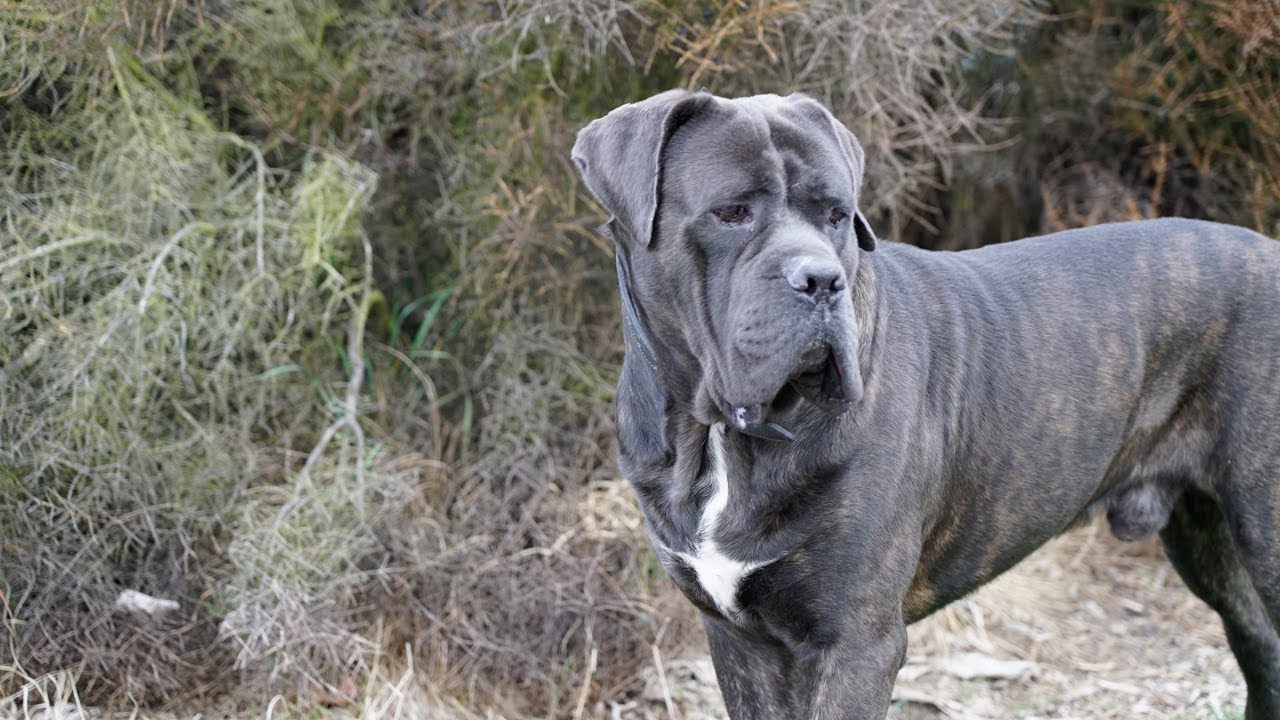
x=305 y=325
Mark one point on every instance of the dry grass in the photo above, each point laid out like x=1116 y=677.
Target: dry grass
x=1125 y=109
x=1108 y=629
x=1196 y=92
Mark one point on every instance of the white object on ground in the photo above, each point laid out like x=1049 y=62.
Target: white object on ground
x=970 y=666
x=137 y=602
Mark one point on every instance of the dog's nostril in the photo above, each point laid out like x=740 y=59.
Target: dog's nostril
x=814 y=277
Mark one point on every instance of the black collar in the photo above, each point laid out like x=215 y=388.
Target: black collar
x=636 y=335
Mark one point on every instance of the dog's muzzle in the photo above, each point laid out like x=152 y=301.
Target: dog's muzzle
x=826 y=371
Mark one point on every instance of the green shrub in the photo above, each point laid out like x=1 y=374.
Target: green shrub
x=175 y=310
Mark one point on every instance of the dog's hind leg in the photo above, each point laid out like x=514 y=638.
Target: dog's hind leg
x=1199 y=544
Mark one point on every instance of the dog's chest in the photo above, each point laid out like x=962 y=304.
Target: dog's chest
x=718 y=575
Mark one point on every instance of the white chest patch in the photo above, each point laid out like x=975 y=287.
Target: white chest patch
x=718 y=574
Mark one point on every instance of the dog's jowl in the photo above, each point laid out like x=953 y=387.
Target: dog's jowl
x=832 y=436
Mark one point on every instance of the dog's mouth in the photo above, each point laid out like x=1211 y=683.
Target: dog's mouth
x=819 y=378
x=826 y=375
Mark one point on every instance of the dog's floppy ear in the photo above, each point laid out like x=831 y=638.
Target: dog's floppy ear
x=640 y=412
x=862 y=230
x=854 y=158
x=620 y=158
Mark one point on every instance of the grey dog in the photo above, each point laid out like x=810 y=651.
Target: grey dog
x=831 y=437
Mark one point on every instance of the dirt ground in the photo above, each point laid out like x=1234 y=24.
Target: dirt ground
x=1087 y=627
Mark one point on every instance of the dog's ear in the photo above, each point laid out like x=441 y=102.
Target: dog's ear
x=854 y=158
x=862 y=230
x=620 y=158
x=640 y=412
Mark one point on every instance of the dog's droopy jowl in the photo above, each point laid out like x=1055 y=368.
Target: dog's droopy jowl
x=832 y=436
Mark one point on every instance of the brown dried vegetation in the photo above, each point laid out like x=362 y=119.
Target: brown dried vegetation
x=307 y=327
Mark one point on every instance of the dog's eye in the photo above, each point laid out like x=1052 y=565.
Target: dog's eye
x=836 y=217
x=732 y=214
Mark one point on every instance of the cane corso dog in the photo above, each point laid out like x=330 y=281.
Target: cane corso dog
x=832 y=436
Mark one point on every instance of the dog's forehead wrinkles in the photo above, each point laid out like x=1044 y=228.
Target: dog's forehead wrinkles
x=802 y=135
x=804 y=185
x=755 y=146
x=721 y=157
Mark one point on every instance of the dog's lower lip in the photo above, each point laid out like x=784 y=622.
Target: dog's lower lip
x=813 y=359
x=832 y=378
x=750 y=419
x=822 y=382
x=813 y=364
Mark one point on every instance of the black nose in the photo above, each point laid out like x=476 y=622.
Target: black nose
x=816 y=278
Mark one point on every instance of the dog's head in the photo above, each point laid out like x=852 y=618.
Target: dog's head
x=740 y=222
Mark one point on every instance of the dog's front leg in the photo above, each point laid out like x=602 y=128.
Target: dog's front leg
x=754 y=672
x=848 y=679
x=852 y=679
